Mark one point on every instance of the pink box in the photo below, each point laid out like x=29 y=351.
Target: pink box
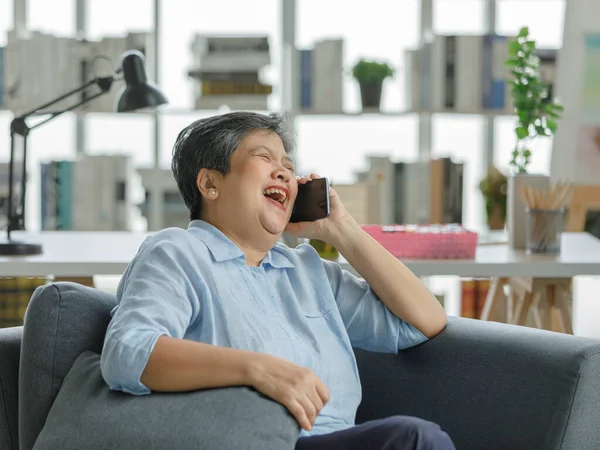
x=440 y=241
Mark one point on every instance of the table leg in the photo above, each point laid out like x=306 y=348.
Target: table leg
x=495 y=306
x=545 y=307
x=564 y=309
x=524 y=307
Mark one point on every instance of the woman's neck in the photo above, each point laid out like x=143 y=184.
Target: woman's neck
x=247 y=244
x=255 y=247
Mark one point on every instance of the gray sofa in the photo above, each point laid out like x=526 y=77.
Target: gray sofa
x=489 y=385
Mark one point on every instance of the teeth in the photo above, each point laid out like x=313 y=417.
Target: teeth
x=276 y=191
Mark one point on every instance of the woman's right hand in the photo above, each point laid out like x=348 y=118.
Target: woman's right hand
x=295 y=387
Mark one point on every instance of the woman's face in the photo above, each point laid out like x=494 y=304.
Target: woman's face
x=261 y=187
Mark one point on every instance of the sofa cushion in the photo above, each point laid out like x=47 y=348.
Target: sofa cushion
x=10 y=349
x=87 y=414
x=62 y=321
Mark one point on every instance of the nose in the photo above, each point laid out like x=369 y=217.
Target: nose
x=281 y=173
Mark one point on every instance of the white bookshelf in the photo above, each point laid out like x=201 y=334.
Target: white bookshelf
x=289 y=91
x=289 y=82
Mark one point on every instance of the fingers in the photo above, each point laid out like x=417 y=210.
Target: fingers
x=306 y=178
x=317 y=402
x=310 y=410
x=323 y=392
x=299 y=412
x=306 y=408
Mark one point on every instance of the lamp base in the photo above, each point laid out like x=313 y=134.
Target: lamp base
x=19 y=248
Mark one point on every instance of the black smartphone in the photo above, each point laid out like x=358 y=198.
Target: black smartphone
x=312 y=202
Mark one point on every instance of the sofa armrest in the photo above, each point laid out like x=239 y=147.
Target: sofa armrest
x=10 y=352
x=492 y=386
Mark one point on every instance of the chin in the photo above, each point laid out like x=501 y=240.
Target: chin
x=275 y=231
x=275 y=227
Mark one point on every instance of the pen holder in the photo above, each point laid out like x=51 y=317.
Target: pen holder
x=544 y=229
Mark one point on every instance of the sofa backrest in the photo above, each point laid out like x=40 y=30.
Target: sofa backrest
x=62 y=321
x=10 y=350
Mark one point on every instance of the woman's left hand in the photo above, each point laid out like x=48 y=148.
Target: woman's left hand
x=320 y=229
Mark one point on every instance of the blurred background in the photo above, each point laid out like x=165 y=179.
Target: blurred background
x=334 y=143
x=95 y=169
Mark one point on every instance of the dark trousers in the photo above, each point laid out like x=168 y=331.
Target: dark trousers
x=392 y=433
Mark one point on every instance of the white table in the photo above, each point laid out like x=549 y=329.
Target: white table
x=74 y=253
x=84 y=254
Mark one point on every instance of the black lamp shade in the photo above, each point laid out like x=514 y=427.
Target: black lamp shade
x=138 y=92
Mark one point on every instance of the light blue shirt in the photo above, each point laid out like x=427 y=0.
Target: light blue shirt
x=194 y=284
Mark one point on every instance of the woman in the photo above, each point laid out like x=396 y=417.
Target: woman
x=223 y=303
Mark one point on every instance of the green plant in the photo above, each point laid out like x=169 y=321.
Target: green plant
x=536 y=114
x=368 y=72
x=494 y=189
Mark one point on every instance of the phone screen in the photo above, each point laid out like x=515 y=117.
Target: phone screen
x=312 y=202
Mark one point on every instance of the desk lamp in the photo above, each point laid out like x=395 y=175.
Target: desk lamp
x=137 y=93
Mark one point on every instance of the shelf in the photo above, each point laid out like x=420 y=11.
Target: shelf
x=367 y=113
x=491 y=113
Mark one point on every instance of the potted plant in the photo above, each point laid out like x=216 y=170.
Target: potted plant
x=494 y=190
x=536 y=113
x=370 y=76
x=536 y=119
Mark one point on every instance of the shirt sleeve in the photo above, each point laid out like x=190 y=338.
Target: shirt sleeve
x=156 y=296
x=368 y=321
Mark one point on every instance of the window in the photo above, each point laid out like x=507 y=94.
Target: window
x=545 y=19
x=458 y=17
x=547 y=30
x=56 y=17
x=171 y=125
x=6 y=19
x=505 y=139
x=461 y=138
x=121 y=134
x=337 y=148
x=54 y=140
x=334 y=146
x=116 y=17
x=382 y=30
x=6 y=16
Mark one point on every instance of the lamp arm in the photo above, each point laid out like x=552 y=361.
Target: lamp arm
x=70 y=108
x=16 y=219
x=104 y=83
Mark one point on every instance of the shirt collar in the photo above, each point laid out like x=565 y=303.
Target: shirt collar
x=277 y=257
x=223 y=249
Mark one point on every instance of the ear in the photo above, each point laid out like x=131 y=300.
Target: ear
x=207 y=182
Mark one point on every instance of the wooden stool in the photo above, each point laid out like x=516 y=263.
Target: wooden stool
x=548 y=299
x=497 y=306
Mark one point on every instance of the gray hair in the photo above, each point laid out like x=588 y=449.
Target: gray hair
x=209 y=144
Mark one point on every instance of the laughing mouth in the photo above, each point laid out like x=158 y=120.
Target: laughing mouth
x=277 y=195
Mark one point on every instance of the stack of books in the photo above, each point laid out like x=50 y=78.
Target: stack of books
x=473 y=294
x=321 y=77
x=465 y=74
x=227 y=72
x=89 y=193
x=38 y=67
